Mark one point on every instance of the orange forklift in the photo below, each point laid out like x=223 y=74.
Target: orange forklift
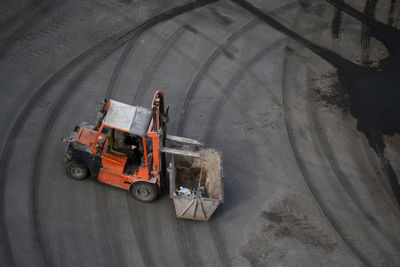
x=90 y=150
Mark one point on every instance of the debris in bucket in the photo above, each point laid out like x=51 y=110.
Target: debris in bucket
x=184 y=191
x=188 y=177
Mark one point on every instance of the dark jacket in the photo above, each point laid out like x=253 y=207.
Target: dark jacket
x=122 y=140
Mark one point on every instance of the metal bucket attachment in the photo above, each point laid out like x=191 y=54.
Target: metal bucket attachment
x=196 y=185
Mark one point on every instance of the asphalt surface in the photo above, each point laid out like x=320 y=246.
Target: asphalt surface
x=302 y=97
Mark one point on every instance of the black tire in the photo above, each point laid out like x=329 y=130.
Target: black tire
x=145 y=192
x=76 y=171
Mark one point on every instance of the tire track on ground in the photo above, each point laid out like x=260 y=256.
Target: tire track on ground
x=203 y=71
x=224 y=50
x=228 y=54
x=8 y=40
x=317 y=196
x=186 y=226
x=228 y=89
x=140 y=216
x=336 y=22
x=94 y=56
x=336 y=61
x=216 y=234
x=167 y=45
x=129 y=49
x=369 y=10
x=342 y=177
x=385 y=33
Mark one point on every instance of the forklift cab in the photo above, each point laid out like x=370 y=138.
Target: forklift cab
x=132 y=120
x=143 y=123
x=89 y=150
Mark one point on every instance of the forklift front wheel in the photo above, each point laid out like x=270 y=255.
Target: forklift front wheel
x=144 y=191
x=76 y=171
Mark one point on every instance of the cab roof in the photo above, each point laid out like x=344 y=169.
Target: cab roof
x=127 y=118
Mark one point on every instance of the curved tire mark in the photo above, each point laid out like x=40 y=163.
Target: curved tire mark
x=130 y=47
x=342 y=178
x=227 y=90
x=204 y=69
x=213 y=227
x=385 y=33
x=337 y=19
x=369 y=10
x=314 y=192
x=154 y=64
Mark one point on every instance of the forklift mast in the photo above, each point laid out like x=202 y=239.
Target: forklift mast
x=157 y=132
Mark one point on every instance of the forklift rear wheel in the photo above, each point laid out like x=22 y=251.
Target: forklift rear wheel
x=76 y=171
x=145 y=192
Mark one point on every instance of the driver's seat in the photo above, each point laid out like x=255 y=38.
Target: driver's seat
x=110 y=140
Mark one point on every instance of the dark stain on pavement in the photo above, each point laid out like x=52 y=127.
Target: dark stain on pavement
x=327 y=89
x=373 y=93
x=285 y=223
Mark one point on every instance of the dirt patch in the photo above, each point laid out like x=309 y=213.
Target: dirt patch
x=327 y=89
x=284 y=228
x=283 y=223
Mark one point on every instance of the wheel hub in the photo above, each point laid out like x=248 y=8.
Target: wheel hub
x=143 y=192
x=77 y=172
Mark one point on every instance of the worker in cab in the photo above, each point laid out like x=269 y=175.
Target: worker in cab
x=127 y=144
